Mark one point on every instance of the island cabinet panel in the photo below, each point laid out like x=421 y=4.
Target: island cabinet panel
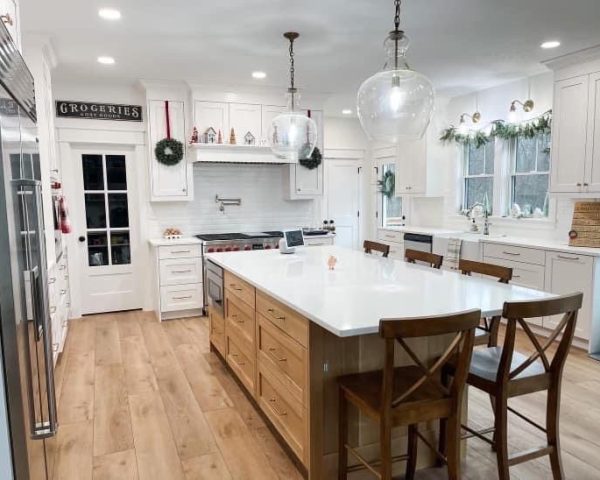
x=241 y=362
x=240 y=288
x=285 y=357
x=283 y=317
x=217 y=331
x=286 y=413
x=240 y=321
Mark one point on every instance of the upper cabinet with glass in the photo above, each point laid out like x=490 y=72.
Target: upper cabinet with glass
x=576 y=126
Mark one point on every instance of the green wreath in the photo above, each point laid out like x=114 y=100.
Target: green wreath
x=314 y=161
x=169 y=151
x=387 y=185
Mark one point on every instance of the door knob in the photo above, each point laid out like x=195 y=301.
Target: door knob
x=81 y=239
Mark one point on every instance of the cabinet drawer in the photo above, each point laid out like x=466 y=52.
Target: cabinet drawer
x=282 y=317
x=516 y=254
x=240 y=288
x=241 y=363
x=390 y=236
x=180 y=271
x=180 y=297
x=286 y=358
x=179 y=251
x=240 y=319
x=287 y=414
x=217 y=331
x=524 y=274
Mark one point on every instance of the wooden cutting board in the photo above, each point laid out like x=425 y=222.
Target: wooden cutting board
x=585 y=230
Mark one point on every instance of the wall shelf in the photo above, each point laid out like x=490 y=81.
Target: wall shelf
x=227 y=153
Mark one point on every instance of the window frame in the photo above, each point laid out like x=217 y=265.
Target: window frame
x=466 y=176
x=512 y=174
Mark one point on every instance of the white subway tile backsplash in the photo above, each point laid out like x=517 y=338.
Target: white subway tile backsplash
x=261 y=189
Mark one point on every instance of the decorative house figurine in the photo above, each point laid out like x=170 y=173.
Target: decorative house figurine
x=220 y=138
x=210 y=136
x=232 y=137
x=195 y=137
x=249 y=139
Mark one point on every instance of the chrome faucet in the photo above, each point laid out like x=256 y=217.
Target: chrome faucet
x=486 y=221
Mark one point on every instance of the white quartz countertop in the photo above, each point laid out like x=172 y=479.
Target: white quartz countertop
x=162 y=242
x=363 y=289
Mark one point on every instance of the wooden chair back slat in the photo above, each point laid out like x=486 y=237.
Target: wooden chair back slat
x=468 y=267
x=462 y=325
x=370 y=247
x=414 y=256
x=518 y=312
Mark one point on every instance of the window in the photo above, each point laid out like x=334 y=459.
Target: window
x=479 y=175
x=391 y=206
x=531 y=175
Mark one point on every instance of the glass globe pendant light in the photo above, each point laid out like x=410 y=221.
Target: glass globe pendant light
x=292 y=134
x=395 y=104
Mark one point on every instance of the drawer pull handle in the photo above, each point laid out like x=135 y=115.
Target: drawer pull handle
x=62 y=267
x=187 y=297
x=273 y=350
x=566 y=257
x=511 y=253
x=235 y=355
x=273 y=400
x=235 y=287
x=272 y=312
x=181 y=251
x=182 y=271
x=516 y=276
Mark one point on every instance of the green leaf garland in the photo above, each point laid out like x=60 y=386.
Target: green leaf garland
x=500 y=129
x=314 y=161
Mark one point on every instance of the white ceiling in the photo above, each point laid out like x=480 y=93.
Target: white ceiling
x=463 y=45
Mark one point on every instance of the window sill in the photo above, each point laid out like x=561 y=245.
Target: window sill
x=541 y=223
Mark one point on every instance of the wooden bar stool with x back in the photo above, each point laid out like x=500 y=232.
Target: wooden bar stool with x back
x=370 y=247
x=504 y=373
x=408 y=395
x=414 y=256
x=487 y=332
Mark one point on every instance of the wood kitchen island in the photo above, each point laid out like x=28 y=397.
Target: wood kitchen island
x=290 y=327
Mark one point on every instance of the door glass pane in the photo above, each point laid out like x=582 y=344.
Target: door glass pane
x=93 y=177
x=97 y=249
x=118 y=213
x=116 y=177
x=119 y=242
x=95 y=210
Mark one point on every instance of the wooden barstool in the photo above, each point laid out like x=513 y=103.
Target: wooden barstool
x=487 y=332
x=411 y=394
x=414 y=256
x=371 y=247
x=503 y=373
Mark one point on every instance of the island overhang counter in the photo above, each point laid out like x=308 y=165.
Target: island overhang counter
x=289 y=327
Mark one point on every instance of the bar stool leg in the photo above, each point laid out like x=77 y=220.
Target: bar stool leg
x=411 y=464
x=552 y=424
x=342 y=437
x=385 y=438
x=443 y=438
x=501 y=436
x=453 y=447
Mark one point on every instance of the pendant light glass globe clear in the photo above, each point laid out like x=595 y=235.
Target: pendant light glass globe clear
x=397 y=103
x=292 y=135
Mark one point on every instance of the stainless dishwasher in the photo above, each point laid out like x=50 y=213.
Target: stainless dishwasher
x=416 y=241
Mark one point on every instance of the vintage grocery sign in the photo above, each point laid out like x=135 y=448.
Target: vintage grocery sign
x=98 y=111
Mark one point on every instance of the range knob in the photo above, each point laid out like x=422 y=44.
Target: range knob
x=236 y=249
x=219 y=249
x=267 y=247
x=210 y=250
x=247 y=247
x=228 y=249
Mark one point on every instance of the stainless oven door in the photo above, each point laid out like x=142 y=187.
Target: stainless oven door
x=214 y=287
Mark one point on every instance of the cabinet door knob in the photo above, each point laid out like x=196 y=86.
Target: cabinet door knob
x=579 y=184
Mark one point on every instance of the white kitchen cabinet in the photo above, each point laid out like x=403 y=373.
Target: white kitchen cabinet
x=395 y=240
x=212 y=114
x=569 y=135
x=411 y=168
x=568 y=273
x=9 y=14
x=592 y=166
x=244 y=118
x=302 y=183
x=319 y=240
x=168 y=182
x=59 y=303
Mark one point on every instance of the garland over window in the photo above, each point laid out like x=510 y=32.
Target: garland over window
x=500 y=129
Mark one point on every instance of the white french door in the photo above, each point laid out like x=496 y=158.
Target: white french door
x=342 y=200
x=106 y=226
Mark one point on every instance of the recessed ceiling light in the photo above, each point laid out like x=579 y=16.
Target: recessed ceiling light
x=259 y=75
x=346 y=111
x=106 y=60
x=550 y=44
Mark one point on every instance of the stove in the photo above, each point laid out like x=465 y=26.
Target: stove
x=233 y=242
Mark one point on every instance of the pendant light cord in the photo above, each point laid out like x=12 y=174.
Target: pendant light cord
x=396 y=32
x=397 y=16
x=292 y=72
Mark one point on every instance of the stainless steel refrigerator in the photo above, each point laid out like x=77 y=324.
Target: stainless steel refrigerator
x=28 y=420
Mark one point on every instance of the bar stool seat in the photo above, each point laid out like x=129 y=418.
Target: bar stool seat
x=364 y=389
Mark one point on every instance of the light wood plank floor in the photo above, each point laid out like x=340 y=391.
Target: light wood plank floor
x=143 y=400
